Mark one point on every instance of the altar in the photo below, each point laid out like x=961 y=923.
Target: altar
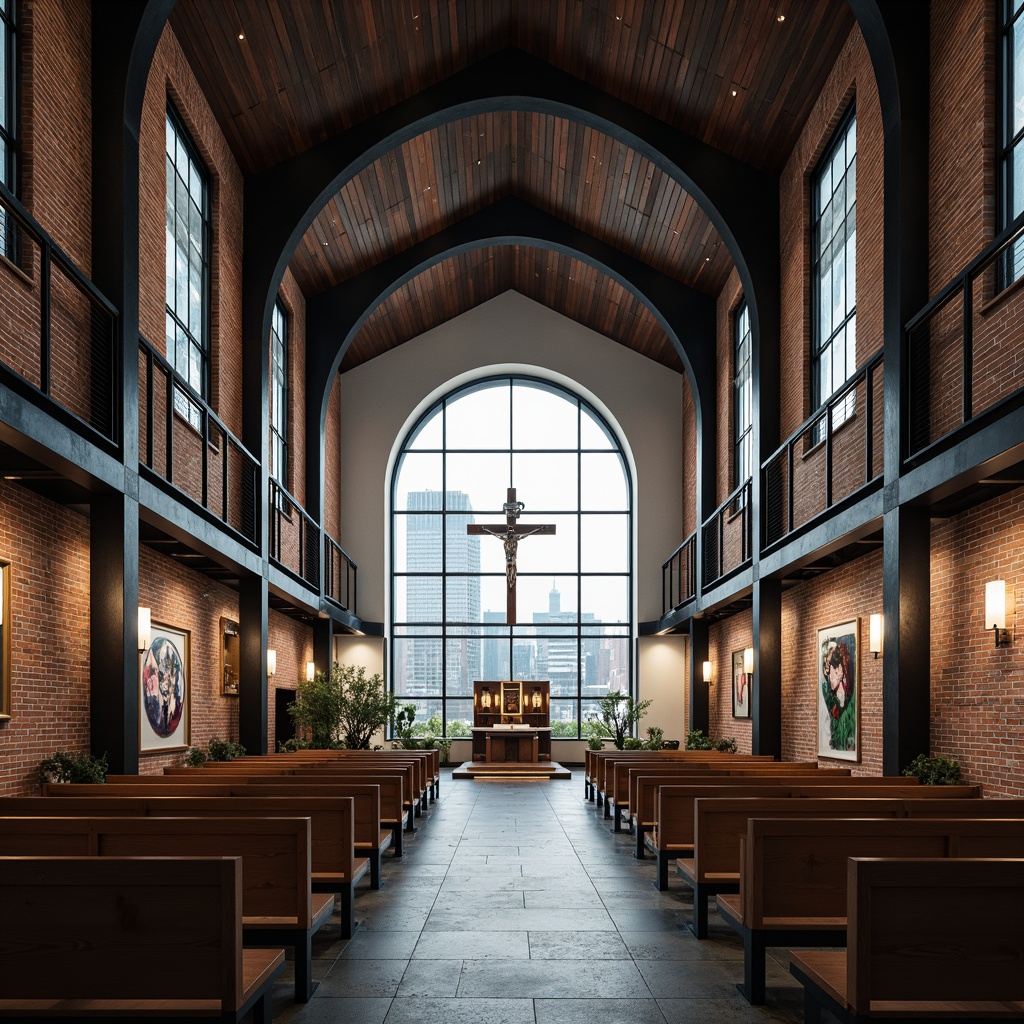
x=517 y=743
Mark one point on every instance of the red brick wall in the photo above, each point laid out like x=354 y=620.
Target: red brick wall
x=961 y=155
x=977 y=697
x=852 y=78
x=171 y=77
x=732 y=634
x=295 y=304
x=853 y=591
x=48 y=618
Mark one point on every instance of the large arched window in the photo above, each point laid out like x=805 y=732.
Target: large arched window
x=449 y=589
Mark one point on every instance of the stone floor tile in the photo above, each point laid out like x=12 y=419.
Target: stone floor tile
x=460 y=1011
x=551 y=979
x=473 y=945
x=598 y=1011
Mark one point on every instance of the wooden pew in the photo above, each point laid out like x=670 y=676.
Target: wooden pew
x=720 y=823
x=672 y=835
x=371 y=839
x=793 y=880
x=431 y=755
x=278 y=906
x=139 y=938
x=894 y=969
x=335 y=867
x=624 y=793
x=353 y=769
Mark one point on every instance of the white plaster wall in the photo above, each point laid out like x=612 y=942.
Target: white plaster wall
x=661 y=673
x=379 y=398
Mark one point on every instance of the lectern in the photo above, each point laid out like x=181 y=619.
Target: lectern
x=512 y=721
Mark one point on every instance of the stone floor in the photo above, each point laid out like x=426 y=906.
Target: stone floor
x=516 y=904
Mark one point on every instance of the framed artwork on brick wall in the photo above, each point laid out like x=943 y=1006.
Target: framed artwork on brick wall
x=838 y=699
x=164 y=690
x=740 y=687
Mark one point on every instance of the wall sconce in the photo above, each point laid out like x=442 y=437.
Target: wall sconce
x=748 y=660
x=310 y=671
x=875 y=634
x=708 y=672
x=998 y=604
x=271 y=663
x=144 y=629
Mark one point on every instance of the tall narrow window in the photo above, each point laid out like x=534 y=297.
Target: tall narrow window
x=188 y=271
x=834 y=274
x=449 y=589
x=1012 y=129
x=8 y=120
x=279 y=395
x=743 y=400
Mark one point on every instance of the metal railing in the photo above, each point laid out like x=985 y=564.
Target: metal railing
x=725 y=536
x=679 y=575
x=339 y=575
x=294 y=537
x=196 y=454
x=963 y=349
x=818 y=465
x=57 y=332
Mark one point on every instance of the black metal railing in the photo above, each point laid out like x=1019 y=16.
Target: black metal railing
x=679 y=575
x=725 y=536
x=196 y=454
x=294 y=537
x=818 y=465
x=963 y=349
x=57 y=331
x=339 y=575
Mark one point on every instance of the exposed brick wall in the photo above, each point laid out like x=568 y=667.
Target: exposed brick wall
x=293 y=641
x=48 y=619
x=961 y=156
x=187 y=600
x=56 y=111
x=732 y=634
x=729 y=299
x=977 y=689
x=853 y=591
x=171 y=78
x=851 y=78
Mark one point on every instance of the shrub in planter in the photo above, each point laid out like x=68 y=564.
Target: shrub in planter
x=632 y=743
x=725 y=745
x=620 y=713
x=696 y=740
x=342 y=708
x=65 y=767
x=655 y=738
x=934 y=771
x=215 y=750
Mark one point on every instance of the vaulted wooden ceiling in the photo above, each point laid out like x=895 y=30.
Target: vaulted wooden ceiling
x=738 y=75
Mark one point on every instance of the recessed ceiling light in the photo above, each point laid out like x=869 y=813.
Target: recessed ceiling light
x=241 y=36
x=734 y=92
x=781 y=18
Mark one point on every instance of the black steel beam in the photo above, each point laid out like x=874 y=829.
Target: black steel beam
x=253 y=716
x=766 y=691
x=700 y=711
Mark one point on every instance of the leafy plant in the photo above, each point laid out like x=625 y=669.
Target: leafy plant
x=342 y=707
x=66 y=767
x=620 y=713
x=595 y=743
x=289 y=746
x=725 y=745
x=402 y=727
x=696 y=740
x=934 y=771
x=444 y=747
x=655 y=738
x=195 y=757
x=224 y=750
x=632 y=743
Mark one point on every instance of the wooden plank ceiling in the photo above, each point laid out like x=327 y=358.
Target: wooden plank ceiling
x=283 y=75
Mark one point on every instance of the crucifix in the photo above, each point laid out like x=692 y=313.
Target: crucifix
x=510 y=534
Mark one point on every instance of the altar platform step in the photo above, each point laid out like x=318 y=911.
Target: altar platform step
x=511 y=770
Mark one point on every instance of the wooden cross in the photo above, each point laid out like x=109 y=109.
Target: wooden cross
x=510 y=535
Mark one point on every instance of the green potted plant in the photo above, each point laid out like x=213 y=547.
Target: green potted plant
x=934 y=771
x=342 y=708
x=655 y=738
x=594 y=733
x=76 y=768
x=620 y=713
x=696 y=740
x=215 y=750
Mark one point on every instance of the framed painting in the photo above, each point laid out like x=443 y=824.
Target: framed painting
x=838 y=699
x=164 y=690
x=740 y=687
x=511 y=698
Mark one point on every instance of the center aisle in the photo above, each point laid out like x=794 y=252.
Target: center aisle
x=516 y=904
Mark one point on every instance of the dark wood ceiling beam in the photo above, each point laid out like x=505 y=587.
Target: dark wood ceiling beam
x=334 y=317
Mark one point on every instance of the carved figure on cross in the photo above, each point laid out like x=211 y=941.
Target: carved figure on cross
x=510 y=533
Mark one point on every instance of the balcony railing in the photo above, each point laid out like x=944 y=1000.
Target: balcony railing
x=679 y=575
x=57 y=331
x=964 y=352
x=294 y=537
x=835 y=453
x=726 y=535
x=339 y=575
x=198 y=456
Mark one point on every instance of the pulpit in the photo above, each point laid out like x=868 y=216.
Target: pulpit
x=511 y=721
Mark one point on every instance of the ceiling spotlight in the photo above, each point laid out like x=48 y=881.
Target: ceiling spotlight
x=241 y=36
x=781 y=18
x=734 y=92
